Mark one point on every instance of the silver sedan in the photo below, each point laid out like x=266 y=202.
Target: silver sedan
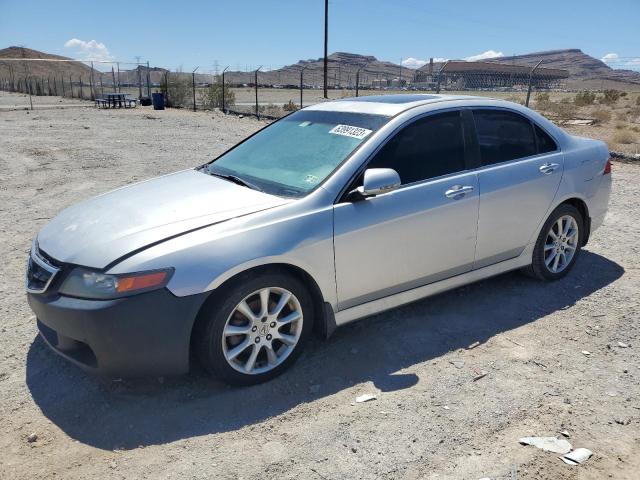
x=333 y=213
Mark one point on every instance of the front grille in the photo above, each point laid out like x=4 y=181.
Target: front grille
x=40 y=272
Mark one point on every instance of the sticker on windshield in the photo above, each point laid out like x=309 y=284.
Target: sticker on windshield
x=349 y=131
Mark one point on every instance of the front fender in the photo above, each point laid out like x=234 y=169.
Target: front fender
x=206 y=258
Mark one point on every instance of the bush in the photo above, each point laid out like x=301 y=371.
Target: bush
x=584 y=98
x=290 y=106
x=177 y=90
x=211 y=97
x=564 y=109
x=638 y=100
x=542 y=100
x=515 y=99
x=610 y=97
x=601 y=115
x=625 y=137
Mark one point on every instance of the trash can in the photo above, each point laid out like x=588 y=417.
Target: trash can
x=158 y=101
x=145 y=101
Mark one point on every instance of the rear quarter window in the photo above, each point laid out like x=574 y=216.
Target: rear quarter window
x=545 y=143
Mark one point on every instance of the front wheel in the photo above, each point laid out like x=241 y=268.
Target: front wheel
x=257 y=330
x=558 y=245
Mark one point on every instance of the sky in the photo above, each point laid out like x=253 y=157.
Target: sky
x=250 y=33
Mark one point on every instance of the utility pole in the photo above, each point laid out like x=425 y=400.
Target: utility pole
x=326 y=43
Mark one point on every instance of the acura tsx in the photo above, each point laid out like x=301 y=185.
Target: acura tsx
x=333 y=213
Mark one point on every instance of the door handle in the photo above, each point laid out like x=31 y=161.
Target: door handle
x=548 y=168
x=458 y=191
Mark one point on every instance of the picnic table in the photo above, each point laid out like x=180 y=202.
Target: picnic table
x=115 y=99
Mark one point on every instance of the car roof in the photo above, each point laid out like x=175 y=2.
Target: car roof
x=388 y=105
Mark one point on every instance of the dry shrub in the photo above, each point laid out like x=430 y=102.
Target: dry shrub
x=211 y=97
x=620 y=126
x=563 y=109
x=290 y=106
x=584 y=98
x=601 y=115
x=610 y=97
x=542 y=101
x=636 y=129
x=624 y=137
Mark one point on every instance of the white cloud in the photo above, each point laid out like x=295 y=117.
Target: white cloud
x=417 y=63
x=484 y=55
x=615 y=61
x=91 y=50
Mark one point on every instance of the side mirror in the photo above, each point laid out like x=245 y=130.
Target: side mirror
x=378 y=181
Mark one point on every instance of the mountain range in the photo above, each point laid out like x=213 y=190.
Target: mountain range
x=584 y=71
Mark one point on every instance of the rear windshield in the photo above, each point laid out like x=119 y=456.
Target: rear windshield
x=295 y=154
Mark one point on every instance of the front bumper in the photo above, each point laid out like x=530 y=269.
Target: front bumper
x=146 y=334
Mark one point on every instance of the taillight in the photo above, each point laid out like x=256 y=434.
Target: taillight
x=607 y=167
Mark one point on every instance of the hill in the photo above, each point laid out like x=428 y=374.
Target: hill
x=581 y=67
x=39 y=69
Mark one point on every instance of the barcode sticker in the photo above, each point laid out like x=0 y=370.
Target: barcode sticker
x=349 y=131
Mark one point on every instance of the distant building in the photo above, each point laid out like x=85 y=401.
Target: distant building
x=461 y=75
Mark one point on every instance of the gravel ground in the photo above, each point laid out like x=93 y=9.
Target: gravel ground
x=431 y=419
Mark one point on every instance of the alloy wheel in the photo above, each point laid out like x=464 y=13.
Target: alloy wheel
x=561 y=244
x=262 y=330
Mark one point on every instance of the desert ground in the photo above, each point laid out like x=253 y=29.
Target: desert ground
x=558 y=357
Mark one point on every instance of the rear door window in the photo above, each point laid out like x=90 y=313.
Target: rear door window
x=503 y=136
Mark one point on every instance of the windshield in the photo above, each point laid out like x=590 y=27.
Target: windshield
x=295 y=154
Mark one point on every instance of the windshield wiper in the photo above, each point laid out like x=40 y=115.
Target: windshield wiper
x=234 y=179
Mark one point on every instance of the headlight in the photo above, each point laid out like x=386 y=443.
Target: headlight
x=85 y=283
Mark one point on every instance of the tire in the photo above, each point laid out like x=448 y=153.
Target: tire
x=223 y=354
x=539 y=268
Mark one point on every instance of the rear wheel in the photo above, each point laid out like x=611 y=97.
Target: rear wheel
x=256 y=330
x=558 y=245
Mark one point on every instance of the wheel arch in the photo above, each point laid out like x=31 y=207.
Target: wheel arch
x=583 y=208
x=324 y=321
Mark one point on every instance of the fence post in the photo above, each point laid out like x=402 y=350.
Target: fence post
x=81 y=92
x=93 y=96
x=62 y=82
x=256 y=80
x=358 y=78
x=148 y=81
x=530 y=82
x=167 y=100
x=118 y=65
x=440 y=75
x=193 y=86
x=71 y=85
x=101 y=87
x=301 y=84
x=139 y=81
x=223 y=96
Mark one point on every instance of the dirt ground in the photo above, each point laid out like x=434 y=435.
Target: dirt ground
x=430 y=420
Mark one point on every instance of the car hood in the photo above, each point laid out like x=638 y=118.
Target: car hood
x=98 y=231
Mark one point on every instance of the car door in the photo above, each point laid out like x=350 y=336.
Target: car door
x=420 y=233
x=520 y=175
